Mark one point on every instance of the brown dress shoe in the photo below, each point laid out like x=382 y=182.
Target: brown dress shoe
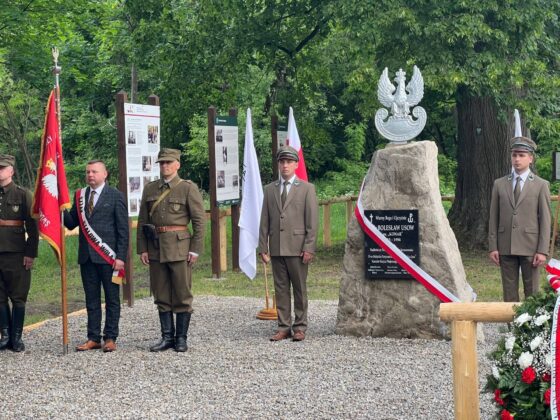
x=299 y=336
x=109 y=346
x=281 y=335
x=88 y=345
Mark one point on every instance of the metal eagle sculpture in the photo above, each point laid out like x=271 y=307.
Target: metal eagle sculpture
x=400 y=126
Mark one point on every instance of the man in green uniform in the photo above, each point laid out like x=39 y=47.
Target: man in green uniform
x=165 y=243
x=16 y=254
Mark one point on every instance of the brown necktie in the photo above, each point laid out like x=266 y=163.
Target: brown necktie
x=517 y=189
x=90 y=202
x=284 y=193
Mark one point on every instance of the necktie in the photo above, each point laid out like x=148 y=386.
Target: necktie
x=90 y=202
x=284 y=193
x=517 y=189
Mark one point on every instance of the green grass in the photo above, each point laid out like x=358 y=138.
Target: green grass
x=323 y=281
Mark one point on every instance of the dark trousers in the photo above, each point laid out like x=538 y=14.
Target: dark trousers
x=171 y=285
x=509 y=267
x=93 y=277
x=14 y=279
x=290 y=271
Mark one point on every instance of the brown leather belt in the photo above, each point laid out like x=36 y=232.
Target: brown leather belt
x=11 y=222
x=162 y=229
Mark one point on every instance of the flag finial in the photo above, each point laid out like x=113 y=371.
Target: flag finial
x=517 y=118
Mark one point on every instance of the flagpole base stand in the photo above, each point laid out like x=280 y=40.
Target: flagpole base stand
x=268 y=314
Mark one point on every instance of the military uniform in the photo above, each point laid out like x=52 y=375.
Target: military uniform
x=519 y=225
x=15 y=279
x=170 y=273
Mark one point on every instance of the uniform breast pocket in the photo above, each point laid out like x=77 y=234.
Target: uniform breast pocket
x=150 y=202
x=14 y=209
x=176 y=206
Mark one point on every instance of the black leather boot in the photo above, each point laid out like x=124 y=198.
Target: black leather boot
x=5 y=321
x=183 y=321
x=18 y=316
x=167 y=332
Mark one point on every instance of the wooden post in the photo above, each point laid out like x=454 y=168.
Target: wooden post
x=128 y=287
x=349 y=210
x=327 y=224
x=464 y=318
x=214 y=210
x=223 y=242
x=274 y=132
x=235 y=214
x=465 y=370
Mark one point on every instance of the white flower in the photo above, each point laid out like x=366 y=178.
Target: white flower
x=541 y=319
x=548 y=360
x=536 y=342
x=522 y=319
x=495 y=373
x=509 y=343
x=525 y=360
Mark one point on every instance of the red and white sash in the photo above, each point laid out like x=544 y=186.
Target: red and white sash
x=94 y=240
x=414 y=270
x=553 y=268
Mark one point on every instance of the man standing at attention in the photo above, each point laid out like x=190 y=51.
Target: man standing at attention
x=100 y=211
x=166 y=245
x=287 y=236
x=16 y=254
x=519 y=225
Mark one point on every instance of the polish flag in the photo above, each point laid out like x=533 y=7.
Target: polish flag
x=294 y=141
x=51 y=192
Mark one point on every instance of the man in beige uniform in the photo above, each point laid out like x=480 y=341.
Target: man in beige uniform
x=519 y=225
x=16 y=254
x=166 y=245
x=288 y=231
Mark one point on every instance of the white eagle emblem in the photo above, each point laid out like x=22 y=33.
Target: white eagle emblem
x=51 y=184
x=400 y=127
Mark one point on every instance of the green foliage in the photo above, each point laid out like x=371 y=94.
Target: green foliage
x=447 y=169
x=323 y=58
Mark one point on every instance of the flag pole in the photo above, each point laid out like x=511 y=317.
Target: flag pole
x=267 y=313
x=56 y=71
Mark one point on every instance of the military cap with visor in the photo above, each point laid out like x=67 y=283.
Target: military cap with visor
x=287 y=152
x=523 y=144
x=169 y=155
x=7 y=160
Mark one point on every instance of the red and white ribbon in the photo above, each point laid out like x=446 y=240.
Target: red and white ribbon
x=93 y=239
x=553 y=268
x=414 y=270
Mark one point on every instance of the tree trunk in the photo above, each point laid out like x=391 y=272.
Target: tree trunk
x=482 y=156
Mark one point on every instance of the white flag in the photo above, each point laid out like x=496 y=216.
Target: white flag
x=251 y=205
x=517 y=118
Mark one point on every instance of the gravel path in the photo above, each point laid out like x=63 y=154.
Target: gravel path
x=232 y=371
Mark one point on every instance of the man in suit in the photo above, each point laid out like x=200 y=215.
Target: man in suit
x=165 y=243
x=100 y=211
x=519 y=225
x=287 y=236
x=19 y=240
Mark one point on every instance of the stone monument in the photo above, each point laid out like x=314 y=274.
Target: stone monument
x=401 y=177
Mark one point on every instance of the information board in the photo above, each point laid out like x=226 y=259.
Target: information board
x=142 y=131
x=401 y=227
x=226 y=136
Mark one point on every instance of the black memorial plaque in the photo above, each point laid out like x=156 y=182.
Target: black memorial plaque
x=401 y=228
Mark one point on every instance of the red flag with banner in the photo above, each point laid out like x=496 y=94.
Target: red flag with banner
x=51 y=191
x=294 y=141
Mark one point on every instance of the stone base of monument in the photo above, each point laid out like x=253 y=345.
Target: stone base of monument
x=401 y=177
